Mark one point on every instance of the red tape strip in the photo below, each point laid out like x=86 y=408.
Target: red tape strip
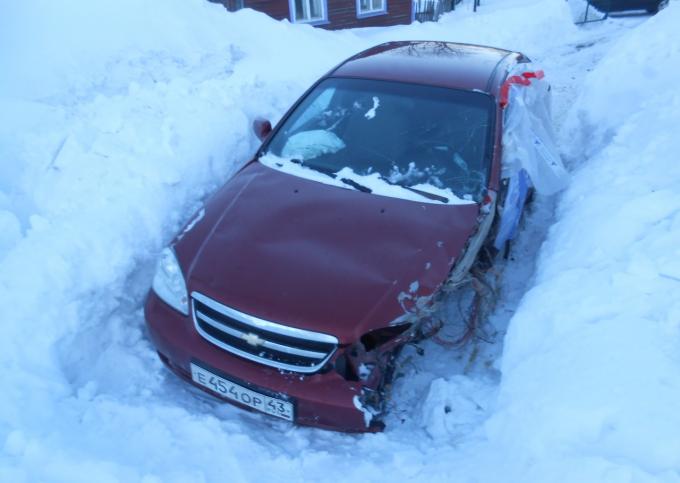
x=522 y=80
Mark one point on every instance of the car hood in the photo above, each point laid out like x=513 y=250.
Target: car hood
x=319 y=257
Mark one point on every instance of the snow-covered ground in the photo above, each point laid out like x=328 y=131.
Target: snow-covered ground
x=118 y=118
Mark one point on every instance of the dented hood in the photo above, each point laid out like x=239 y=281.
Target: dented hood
x=319 y=257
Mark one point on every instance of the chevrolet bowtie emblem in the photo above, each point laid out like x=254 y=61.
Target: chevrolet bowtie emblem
x=252 y=339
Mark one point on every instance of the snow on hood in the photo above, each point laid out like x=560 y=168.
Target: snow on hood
x=373 y=181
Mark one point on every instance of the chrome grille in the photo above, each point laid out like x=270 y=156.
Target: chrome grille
x=259 y=340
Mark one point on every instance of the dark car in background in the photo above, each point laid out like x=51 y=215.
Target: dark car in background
x=612 y=6
x=293 y=289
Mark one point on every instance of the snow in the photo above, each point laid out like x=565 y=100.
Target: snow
x=118 y=119
x=590 y=368
x=192 y=223
x=370 y=114
x=461 y=400
x=368 y=415
x=372 y=181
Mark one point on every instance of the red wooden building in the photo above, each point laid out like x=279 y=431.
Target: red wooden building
x=332 y=14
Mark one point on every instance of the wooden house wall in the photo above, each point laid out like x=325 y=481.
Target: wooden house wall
x=341 y=13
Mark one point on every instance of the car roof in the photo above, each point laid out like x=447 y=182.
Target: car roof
x=444 y=64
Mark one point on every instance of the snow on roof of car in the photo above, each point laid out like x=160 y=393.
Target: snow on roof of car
x=445 y=64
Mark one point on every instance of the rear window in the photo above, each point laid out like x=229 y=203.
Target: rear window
x=430 y=141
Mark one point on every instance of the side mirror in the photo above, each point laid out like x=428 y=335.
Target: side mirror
x=262 y=128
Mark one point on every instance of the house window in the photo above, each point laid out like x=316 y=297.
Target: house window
x=368 y=8
x=308 y=11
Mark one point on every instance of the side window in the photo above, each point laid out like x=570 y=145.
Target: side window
x=367 y=8
x=308 y=11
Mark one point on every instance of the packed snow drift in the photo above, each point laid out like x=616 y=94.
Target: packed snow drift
x=118 y=118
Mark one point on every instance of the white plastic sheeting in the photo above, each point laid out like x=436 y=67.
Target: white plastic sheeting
x=530 y=155
x=528 y=139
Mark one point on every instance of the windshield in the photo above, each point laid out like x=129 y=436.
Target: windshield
x=405 y=140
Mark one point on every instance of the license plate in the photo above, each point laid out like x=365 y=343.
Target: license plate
x=235 y=392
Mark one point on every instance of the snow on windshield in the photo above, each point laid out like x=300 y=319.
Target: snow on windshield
x=370 y=114
x=374 y=182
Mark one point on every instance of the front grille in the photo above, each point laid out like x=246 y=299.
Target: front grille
x=259 y=340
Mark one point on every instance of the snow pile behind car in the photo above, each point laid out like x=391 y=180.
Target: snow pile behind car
x=118 y=119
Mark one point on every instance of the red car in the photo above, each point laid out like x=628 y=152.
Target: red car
x=293 y=289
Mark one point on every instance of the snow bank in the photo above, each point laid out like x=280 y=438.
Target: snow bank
x=590 y=384
x=649 y=73
x=117 y=120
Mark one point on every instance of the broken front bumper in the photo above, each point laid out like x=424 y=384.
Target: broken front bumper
x=324 y=399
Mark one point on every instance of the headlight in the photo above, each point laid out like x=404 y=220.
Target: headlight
x=168 y=283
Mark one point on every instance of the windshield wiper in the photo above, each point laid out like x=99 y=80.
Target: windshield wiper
x=355 y=185
x=333 y=174
x=426 y=194
x=327 y=171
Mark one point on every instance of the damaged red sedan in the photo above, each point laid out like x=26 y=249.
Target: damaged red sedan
x=293 y=289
